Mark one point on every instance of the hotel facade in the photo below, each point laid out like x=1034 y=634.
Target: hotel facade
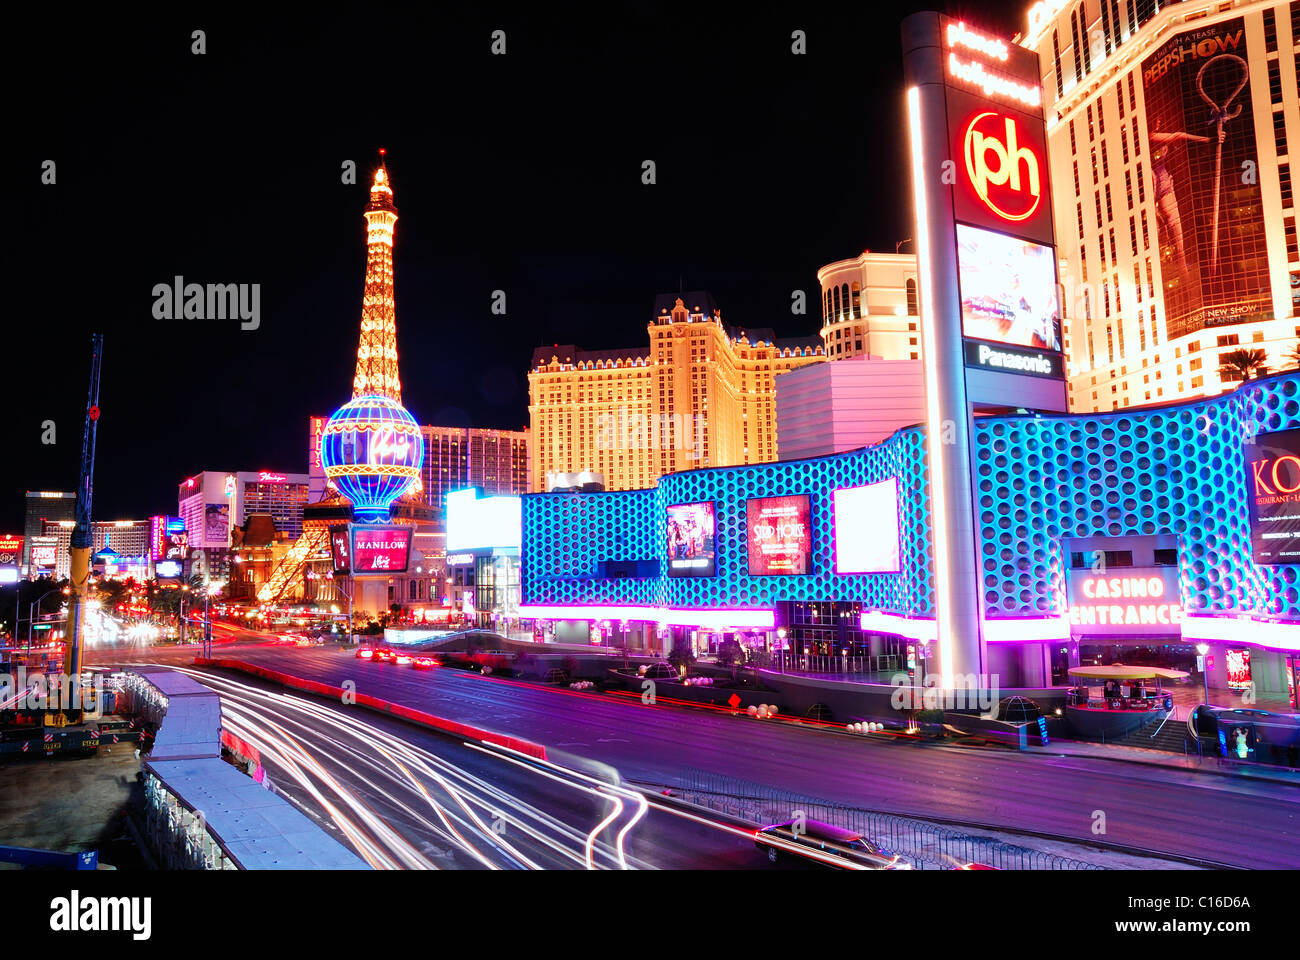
x=1171 y=130
x=700 y=394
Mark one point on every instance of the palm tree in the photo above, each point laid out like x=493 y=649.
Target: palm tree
x=1243 y=365
x=1292 y=356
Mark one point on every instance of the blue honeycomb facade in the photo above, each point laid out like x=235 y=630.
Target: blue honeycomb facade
x=1177 y=469
x=1038 y=480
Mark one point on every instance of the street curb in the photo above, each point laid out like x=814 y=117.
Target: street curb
x=895 y=736
x=410 y=714
x=1248 y=775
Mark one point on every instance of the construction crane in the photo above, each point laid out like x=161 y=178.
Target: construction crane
x=83 y=539
x=77 y=723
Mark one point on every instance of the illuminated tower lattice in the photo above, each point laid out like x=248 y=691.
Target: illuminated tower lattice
x=377 y=351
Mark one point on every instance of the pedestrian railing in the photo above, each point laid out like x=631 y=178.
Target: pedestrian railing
x=820 y=663
x=926 y=846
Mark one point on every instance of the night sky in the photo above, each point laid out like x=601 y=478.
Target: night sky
x=519 y=172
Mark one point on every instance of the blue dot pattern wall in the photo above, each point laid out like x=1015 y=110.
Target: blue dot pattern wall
x=1178 y=469
x=566 y=536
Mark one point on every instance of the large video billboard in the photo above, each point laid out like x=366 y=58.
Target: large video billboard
x=1209 y=215
x=476 y=522
x=691 y=542
x=341 y=549
x=380 y=549
x=779 y=530
x=1008 y=290
x=216 y=525
x=1273 y=496
x=44 y=551
x=865 y=521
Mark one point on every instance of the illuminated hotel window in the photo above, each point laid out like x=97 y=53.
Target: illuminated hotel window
x=1110 y=212
x=1056 y=62
x=1132 y=95
x=1137 y=142
x=1119 y=98
x=1284 y=183
x=1096 y=197
x=1087 y=50
x=1275 y=81
x=1078 y=56
x=913 y=307
x=1279 y=132
x=1101 y=126
x=1074 y=146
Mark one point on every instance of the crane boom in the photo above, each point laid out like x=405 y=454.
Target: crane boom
x=83 y=533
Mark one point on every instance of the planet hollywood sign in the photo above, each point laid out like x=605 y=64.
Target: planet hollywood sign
x=1139 y=601
x=990 y=82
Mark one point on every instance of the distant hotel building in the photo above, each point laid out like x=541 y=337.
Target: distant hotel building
x=214 y=501
x=495 y=461
x=870 y=307
x=870 y=327
x=43 y=505
x=131 y=539
x=700 y=395
x=1157 y=287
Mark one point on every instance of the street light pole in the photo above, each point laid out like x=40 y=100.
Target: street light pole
x=31 y=615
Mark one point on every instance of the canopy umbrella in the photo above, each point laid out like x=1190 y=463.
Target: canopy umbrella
x=1120 y=671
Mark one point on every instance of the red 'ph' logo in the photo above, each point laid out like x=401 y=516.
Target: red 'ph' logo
x=1005 y=175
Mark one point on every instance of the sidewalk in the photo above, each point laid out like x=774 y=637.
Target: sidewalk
x=1162 y=758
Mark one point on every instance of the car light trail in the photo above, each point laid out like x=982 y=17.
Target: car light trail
x=395 y=770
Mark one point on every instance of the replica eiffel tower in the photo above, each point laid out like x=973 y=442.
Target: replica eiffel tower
x=376 y=375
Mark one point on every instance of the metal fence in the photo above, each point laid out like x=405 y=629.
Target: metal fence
x=179 y=836
x=927 y=846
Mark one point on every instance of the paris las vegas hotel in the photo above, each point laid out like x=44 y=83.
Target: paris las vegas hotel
x=1151 y=299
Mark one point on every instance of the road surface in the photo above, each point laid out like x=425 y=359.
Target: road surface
x=1183 y=813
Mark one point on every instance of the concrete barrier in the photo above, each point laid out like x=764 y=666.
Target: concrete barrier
x=201 y=813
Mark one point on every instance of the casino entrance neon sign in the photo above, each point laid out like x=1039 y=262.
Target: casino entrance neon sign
x=1126 y=602
x=1017 y=196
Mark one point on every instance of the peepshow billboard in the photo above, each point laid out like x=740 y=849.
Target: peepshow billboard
x=1209 y=215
